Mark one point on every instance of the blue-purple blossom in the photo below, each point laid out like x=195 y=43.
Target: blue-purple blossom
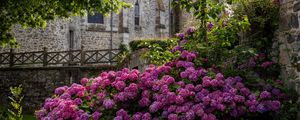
x=108 y=103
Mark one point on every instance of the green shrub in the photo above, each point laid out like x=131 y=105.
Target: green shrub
x=3 y=113
x=144 y=43
x=264 y=22
x=16 y=113
x=123 y=56
x=159 y=51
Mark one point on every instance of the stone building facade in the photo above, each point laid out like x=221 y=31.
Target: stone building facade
x=146 y=19
x=287 y=42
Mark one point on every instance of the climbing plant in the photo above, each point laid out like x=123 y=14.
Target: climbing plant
x=218 y=28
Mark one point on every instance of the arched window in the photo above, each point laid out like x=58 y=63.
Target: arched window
x=96 y=18
x=137 y=13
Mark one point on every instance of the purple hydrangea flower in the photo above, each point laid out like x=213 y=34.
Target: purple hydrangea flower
x=245 y=91
x=239 y=98
x=155 y=107
x=173 y=117
x=144 y=102
x=96 y=115
x=78 y=101
x=120 y=85
x=191 y=30
x=108 y=104
x=177 y=48
x=84 y=116
x=266 y=64
x=265 y=95
x=210 y=26
x=118 y=118
x=137 y=116
x=123 y=114
x=83 y=81
x=172 y=108
x=65 y=96
x=60 y=90
x=276 y=91
x=179 y=99
x=146 y=116
x=261 y=108
x=184 y=93
x=181 y=36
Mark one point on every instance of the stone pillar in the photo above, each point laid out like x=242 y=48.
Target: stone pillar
x=159 y=22
x=74 y=25
x=288 y=36
x=123 y=27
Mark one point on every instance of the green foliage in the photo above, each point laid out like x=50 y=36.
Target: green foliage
x=139 y=44
x=290 y=109
x=218 y=30
x=264 y=21
x=159 y=51
x=159 y=55
x=123 y=56
x=206 y=11
x=225 y=32
x=35 y=13
x=3 y=113
x=226 y=22
x=29 y=117
x=219 y=44
x=199 y=9
x=16 y=112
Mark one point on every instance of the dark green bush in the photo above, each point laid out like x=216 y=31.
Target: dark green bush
x=139 y=44
x=159 y=51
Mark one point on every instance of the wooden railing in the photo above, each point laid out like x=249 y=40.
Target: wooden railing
x=69 y=58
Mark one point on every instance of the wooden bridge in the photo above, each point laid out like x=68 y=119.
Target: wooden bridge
x=59 y=58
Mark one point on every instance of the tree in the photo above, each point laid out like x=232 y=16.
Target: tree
x=36 y=13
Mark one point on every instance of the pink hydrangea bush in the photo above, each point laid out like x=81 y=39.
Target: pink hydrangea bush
x=178 y=90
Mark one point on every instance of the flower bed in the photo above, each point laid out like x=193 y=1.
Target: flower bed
x=176 y=90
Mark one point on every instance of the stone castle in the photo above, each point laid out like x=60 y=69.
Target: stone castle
x=146 y=19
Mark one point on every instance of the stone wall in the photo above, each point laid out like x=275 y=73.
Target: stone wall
x=39 y=83
x=52 y=37
x=288 y=42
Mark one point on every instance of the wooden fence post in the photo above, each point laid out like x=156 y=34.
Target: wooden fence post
x=82 y=57
x=110 y=56
x=70 y=61
x=11 y=57
x=45 y=54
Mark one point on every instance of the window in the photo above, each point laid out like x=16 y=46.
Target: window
x=96 y=18
x=71 y=40
x=137 y=13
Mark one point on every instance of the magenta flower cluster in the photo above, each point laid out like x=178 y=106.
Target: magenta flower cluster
x=177 y=90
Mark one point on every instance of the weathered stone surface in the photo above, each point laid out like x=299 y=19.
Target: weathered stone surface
x=283 y=55
x=284 y=22
x=296 y=47
x=298 y=38
x=290 y=38
x=296 y=7
x=294 y=23
x=293 y=58
x=289 y=42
